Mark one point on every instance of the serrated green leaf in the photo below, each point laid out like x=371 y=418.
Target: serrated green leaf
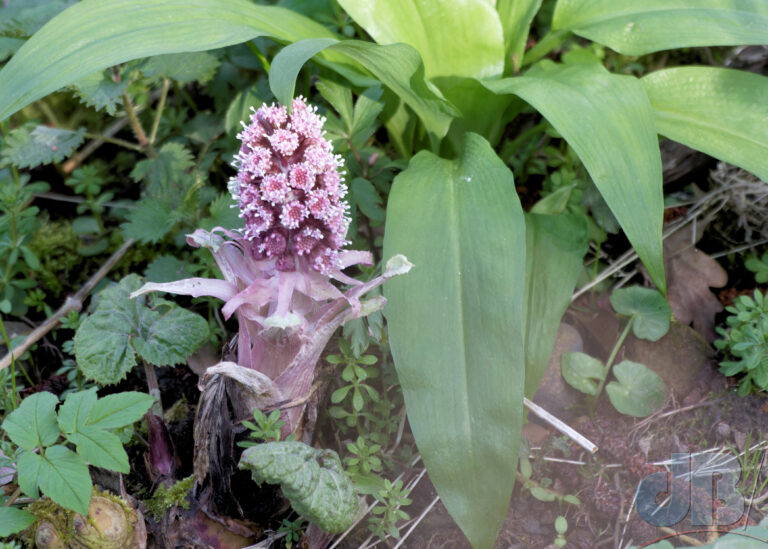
x=100 y=448
x=637 y=28
x=149 y=221
x=447 y=35
x=102 y=347
x=223 y=212
x=64 y=478
x=582 y=372
x=463 y=377
x=119 y=409
x=73 y=414
x=312 y=480
x=649 y=310
x=100 y=91
x=165 y=174
x=621 y=150
x=185 y=68
x=167 y=268
x=719 y=111
x=13 y=520
x=29 y=146
x=33 y=423
x=28 y=467
x=172 y=337
x=639 y=391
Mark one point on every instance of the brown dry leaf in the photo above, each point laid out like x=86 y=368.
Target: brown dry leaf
x=690 y=275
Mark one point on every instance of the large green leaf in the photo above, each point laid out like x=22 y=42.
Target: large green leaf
x=722 y=112
x=397 y=66
x=632 y=27
x=608 y=121
x=637 y=27
x=454 y=37
x=33 y=424
x=555 y=246
x=95 y=34
x=64 y=477
x=456 y=326
x=14 y=520
x=516 y=17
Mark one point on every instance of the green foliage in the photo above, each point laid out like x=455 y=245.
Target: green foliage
x=540 y=489
x=561 y=527
x=638 y=391
x=264 y=428
x=759 y=266
x=160 y=332
x=292 y=530
x=744 y=344
x=83 y=420
x=463 y=298
x=184 y=68
x=30 y=146
x=169 y=497
x=101 y=91
x=388 y=511
x=312 y=480
x=356 y=392
x=13 y=520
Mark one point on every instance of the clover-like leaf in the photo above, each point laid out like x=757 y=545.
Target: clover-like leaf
x=582 y=372
x=33 y=423
x=312 y=480
x=648 y=309
x=638 y=391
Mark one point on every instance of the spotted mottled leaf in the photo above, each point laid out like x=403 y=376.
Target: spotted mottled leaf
x=29 y=146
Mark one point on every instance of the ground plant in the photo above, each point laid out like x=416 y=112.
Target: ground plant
x=434 y=177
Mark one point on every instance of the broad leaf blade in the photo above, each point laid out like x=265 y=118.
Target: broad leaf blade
x=101 y=448
x=454 y=37
x=649 y=310
x=582 y=372
x=555 y=246
x=456 y=326
x=397 y=66
x=313 y=481
x=516 y=17
x=14 y=520
x=721 y=112
x=120 y=409
x=172 y=337
x=636 y=28
x=103 y=347
x=120 y=30
x=73 y=414
x=64 y=478
x=639 y=390
x=33 y=423
x=608 y=121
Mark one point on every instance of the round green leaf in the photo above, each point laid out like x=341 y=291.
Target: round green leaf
x=582 y=372
x=639 y=390
x=649 y=310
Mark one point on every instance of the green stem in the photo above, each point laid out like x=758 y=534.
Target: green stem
x=7 y=341
x=612 y=357
x=115 y=141
x=159 y=110
x=551 y=41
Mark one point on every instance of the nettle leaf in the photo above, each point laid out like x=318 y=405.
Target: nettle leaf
x=223 y=212
x=107 y=341
x=33 y=424
x=149 y=221
x=185 y=68
x=165 y=174
x=64 y=477
x=649 y=310
x=13 y=520
x=312 y=480
x=100 y=91
x=582 y=372
x=29 y=146
x=639 y=390
x=167 y=268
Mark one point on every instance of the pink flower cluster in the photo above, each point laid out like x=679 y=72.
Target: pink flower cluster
x=289 y=188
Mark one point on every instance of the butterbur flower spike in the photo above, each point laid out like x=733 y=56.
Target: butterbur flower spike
x=278 y=269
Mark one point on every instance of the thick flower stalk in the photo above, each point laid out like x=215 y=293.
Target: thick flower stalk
x=277 y=270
